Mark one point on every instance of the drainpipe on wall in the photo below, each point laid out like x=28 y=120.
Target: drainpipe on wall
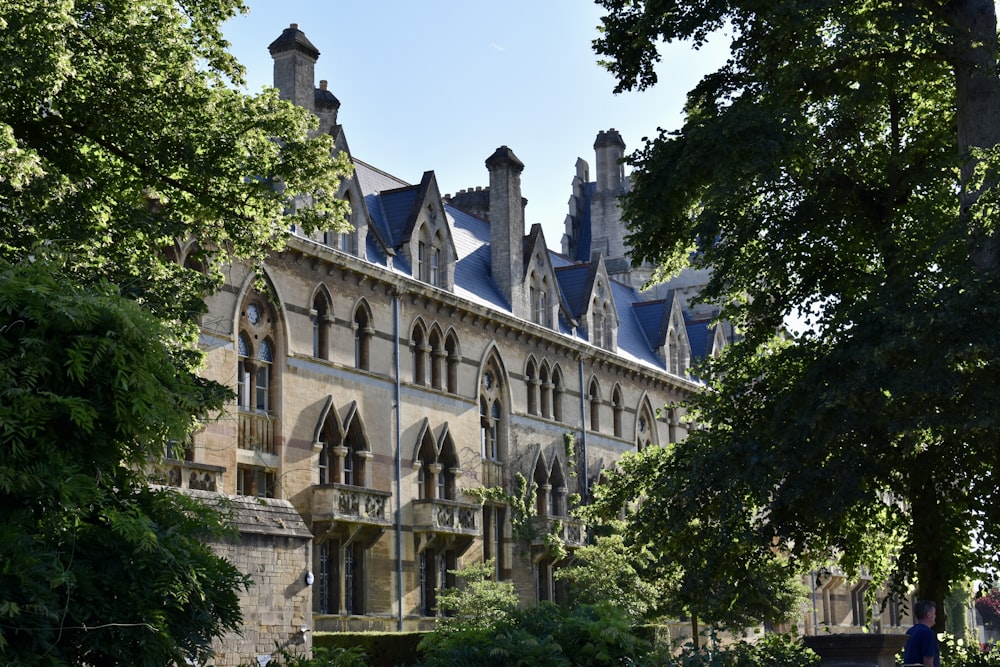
x=399 y=467
x=583 y=430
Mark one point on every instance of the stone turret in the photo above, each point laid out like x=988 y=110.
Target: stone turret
x=507 y=227
x=294 y=67
x=610 y=149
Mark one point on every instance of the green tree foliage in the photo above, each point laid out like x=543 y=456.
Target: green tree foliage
x=610 y=571
x=545 y=634
x=123 y=131
x=772 y=650
x=479 y=602
x=97 y=569
x=841 y=168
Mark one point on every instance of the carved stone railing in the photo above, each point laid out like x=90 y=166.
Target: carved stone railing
x=492 y=473
x=188 y=475
x=257 y=431
x=447 y=516
x=571 y=531
x=351 y=504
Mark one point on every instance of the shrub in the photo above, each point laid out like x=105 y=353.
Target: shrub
x=772 y=650
x=585 y=636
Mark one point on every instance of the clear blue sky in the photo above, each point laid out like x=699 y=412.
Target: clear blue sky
x=440 y=84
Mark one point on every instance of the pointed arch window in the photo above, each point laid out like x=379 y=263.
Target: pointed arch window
x=256 y=392
x=354 y=472
x=427 y=469
x=545 y=387
x=645 y=433
x=437 y=357
x=595 y=406
x=491 y=413
x=321 y=322
x=557 y=394
x=675 y=353
x=419 y=350
x=531 y=385
x=436 y=268
x=363 y=333
x=262 y=384
x=452 y=359
x=542 y=488
x=448 y=477
x=618 y=408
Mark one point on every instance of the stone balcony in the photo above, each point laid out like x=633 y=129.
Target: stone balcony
x=446 y=524
x=350 y=513
x=492 y=474
x=351 y=504
x=570 y=530
x=188 y=475
x=257 y=431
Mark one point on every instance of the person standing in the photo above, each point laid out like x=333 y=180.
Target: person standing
x=922 y=643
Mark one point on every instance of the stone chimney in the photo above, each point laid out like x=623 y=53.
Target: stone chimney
x=610 y=149
x=507 y=227
x=326 y=106
x=294 y=67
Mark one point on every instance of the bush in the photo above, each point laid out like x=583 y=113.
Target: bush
x=585 y=636
x=384 y=649
x=963 y=653
x=772 y=650
x=322 y=657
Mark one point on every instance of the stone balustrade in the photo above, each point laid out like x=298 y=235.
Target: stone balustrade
x=351 y=504
x=447 y=516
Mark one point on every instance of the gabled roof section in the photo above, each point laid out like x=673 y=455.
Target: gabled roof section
x=573 y=281
x=397 y=206
x=473 y=280
x=652 y=317
x=701 y=335
x=579 y=283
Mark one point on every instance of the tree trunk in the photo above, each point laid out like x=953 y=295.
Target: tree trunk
x=932 y=577
x=977 y=100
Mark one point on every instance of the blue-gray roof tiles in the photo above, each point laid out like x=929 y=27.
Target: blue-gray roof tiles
x=573 y=282
x=390 y=201
x=651 y=315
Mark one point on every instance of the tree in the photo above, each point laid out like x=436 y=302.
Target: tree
x=123 y=134
x=841 y=168
x=479 y=603
x=607 y=571
x=98 y=569
x=123 y=130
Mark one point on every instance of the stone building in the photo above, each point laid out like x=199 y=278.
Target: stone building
x=438 y=347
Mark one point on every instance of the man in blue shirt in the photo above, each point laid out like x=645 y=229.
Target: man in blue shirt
x=922 y=643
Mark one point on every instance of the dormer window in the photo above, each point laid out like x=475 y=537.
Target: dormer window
x=602 y=319
x=539 y=294
x=434 y=278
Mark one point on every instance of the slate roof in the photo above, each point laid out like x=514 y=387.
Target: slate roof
x=573 y=283
x=389 y=201
x=261 y=516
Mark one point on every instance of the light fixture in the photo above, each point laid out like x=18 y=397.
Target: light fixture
x=310 y=578
x=263 y=660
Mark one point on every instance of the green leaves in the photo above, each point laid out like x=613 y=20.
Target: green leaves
x=840 y=167
x=121 y=134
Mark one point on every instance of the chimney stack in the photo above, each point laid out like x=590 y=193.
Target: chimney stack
x=507 y=227
x=294 y=67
